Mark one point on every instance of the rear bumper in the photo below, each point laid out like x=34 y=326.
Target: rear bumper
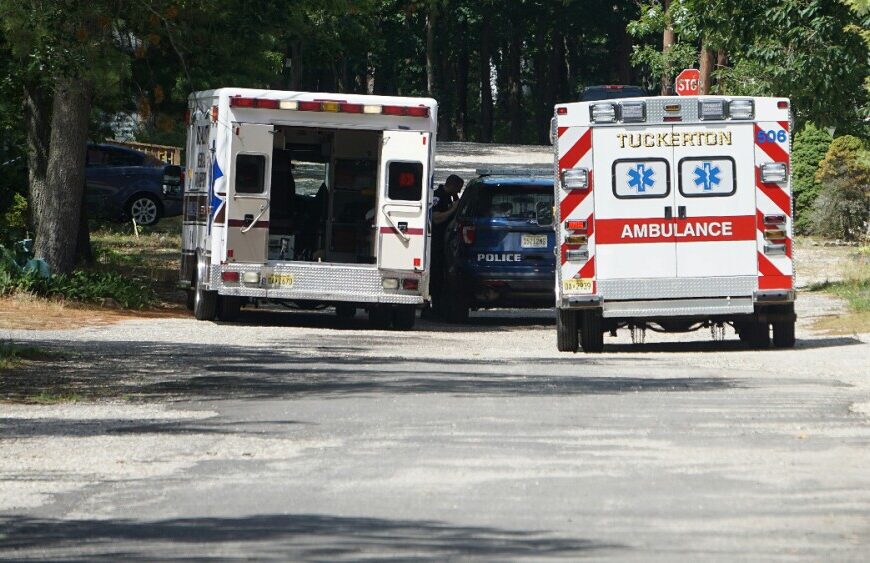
x=514 y=290
x=316 y=281
x=714 y=297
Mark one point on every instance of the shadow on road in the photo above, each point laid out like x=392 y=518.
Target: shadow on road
x=326 y=368
x=288 y=537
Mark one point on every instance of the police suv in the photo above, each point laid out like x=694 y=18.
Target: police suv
x=499 y=247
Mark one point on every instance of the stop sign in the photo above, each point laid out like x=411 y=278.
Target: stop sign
x=689 y=82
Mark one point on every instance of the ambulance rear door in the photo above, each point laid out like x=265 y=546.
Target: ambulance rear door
x=714 y=191
x=402 y=209
x=634 y=203
x=249 y=185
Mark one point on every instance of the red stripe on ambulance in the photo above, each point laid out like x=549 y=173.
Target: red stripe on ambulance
x=578 y=151
x=695 y=229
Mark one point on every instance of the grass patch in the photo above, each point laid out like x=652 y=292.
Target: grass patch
x=14 y=355
x=854 y=289
x=52 y=398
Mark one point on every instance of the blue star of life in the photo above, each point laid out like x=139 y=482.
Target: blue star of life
x=640 y=178
x=707 y=175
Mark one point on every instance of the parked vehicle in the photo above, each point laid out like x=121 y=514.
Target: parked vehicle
x=686 y=225
x=610 y=92
x=123 y=183
x=499 y=247
x=361 y=241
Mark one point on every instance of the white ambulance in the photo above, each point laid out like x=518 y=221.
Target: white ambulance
x=309 y=200
x=673 y=214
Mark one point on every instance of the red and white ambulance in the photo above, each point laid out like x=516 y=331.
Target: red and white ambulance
x=673 y=214
x=309 y=200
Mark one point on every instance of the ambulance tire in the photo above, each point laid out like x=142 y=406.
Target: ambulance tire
x=404 y=317
x=566 y=330
x=380 y=317
x=592 y=333
x=759 y=336
x=229 y=308
x=783 y=334
x=204 y=302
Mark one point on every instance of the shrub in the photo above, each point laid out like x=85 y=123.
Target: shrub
x=810 y=146
x=842 y=207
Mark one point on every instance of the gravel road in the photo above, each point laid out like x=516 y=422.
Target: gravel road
x=286 y=436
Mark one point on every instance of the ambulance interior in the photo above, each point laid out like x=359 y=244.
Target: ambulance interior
x=324 y=195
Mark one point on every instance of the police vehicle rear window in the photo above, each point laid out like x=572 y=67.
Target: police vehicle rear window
x=513 y=202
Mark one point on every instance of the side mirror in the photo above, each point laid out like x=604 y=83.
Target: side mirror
x=544 y=214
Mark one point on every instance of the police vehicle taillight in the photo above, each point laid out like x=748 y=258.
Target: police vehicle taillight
x=468 y=233
x=741 y=109
x=603 y=113
x=711 y=109
x=774 y=172
x=633 y=112
x=575 y=179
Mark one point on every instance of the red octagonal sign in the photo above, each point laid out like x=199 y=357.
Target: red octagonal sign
x=689 y=82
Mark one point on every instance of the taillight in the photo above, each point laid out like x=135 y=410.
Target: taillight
x=468 y=233
x=577 y=226
x=230 y=277
x=309 y=106
x=775 y=234
x=410 y=284
x=420 y=111
x=394 y=110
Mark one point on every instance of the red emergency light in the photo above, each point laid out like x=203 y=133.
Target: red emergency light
x=336 y=106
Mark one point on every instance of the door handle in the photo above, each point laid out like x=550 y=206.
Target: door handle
x=681 y=212
x=669 y=212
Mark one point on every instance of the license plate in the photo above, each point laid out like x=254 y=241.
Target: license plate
x=534 y=241
x=281 y=280
x=574 y=285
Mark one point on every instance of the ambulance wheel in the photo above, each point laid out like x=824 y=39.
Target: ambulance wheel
x=229 y=308
x=759 y=335
x=380 y=317
x=592 y=333
x=783 y=334
x=345 y=311
x=204 y=301
x=566 y=330
x=404 y=317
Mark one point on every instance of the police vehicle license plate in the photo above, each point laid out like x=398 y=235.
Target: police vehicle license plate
x=281 y=280
x=582 y=285
x=534 y=241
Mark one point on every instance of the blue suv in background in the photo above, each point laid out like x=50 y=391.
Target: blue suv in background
x=123 y=183
x=499 y=245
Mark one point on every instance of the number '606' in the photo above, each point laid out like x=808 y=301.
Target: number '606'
x=772 y=136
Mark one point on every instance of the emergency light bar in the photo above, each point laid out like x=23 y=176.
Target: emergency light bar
x=603 y=113
x=711 y=109
x=633 y=112
x=741 y=109
x=329 y=106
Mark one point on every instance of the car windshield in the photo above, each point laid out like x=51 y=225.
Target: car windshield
x=514 y=201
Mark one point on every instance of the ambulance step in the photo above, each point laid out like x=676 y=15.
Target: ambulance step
x=675 y=288
x=678 y=307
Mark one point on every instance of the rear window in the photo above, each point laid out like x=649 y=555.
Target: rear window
x=513 y=202
x=250 y=173
x=406 y=181
x=595 y=93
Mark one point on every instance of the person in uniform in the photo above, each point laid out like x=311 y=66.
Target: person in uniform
x=444 y=203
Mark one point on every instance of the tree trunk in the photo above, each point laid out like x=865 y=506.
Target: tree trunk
x=37 y=115
x=707 y=55
x=668 y=40
x=57 y=218
x=485 y=72
x=296 y=65
x=462 y=88
x=515 y=90
x=431 y=18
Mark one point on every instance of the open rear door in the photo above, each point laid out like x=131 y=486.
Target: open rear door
x=401 y=216
x=248 y=198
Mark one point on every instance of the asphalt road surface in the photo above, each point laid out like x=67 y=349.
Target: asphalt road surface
x=285 y=436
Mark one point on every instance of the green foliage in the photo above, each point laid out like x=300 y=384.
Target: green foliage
x=95 y=287
x=808 y=149
x=842 y=207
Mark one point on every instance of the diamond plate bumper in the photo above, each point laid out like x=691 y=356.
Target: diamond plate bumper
x=318 y=281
